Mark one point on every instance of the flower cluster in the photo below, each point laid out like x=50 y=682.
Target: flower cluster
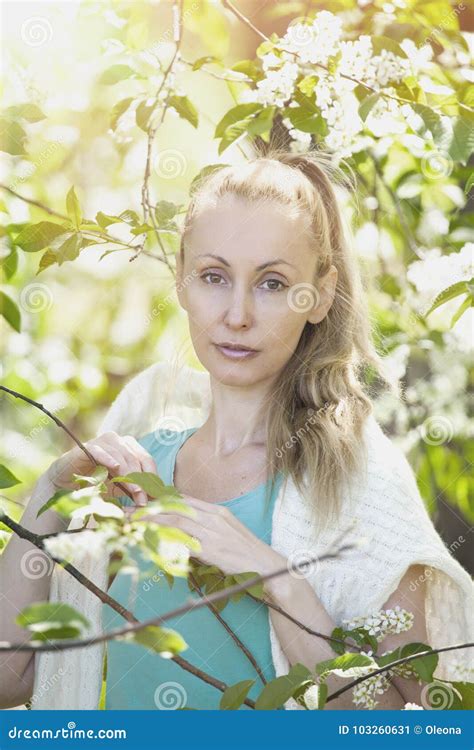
x=364 y=694
x=437 y=271
x=67 y=546
x=315 y=42
x=311 y=697
x=382 y=623
x=341 y=65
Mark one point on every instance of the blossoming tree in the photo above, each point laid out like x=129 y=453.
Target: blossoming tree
x=386 y=88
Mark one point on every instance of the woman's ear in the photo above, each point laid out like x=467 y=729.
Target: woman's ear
x=327 y=291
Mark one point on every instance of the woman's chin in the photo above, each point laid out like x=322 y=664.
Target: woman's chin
x=236 y=373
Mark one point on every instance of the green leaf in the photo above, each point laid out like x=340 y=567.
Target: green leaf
x=98 y=476
x=234 y=695
x=73 y=208
x=256 y=589
x=52 y=502
x=155 y=534
x=47 y=259
x=462 y=143
x=143 y=114
x=468 y=302
x=232 y=133
x=205 y=172
x=425 y=665
x=277 y=691
x=147 y=480
x=460 y=287
x=10 y=311
x=463 y=689
x=119 y=109
x=380 y=43
x=306 y=120
x=431 y=121
x=7 y=479
x=29 y=111
x=367 y=104
x=249 y=68
x=157 y=639
x=38 y=236
x=47 y=620
x=69 y=249
x=104 y=220
x=116 y=73
x=185 y=109
x=345 y=661
x=206 y=59
x=333 y=62
x=165 y=211
x=142 y=229
x=130 y=217
x=469 y=183
x=263 y=122
x=12 y=137
x=10 y=263
x=307 y=84
x=235 y=115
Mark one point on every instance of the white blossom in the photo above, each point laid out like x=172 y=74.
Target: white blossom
x=66 y=546
x=316 y=42
x=412 y=707
x=437 y=271
x=364 y=694
x=311 y=697
x=383 y=622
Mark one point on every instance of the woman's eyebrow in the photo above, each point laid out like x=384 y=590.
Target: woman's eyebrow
x=259 y=268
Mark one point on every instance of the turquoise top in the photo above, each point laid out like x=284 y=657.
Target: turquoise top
x=140 y=679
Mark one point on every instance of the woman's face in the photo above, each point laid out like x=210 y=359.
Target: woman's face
x=248 y=280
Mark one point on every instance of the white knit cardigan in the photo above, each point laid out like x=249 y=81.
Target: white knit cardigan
x=384 y=507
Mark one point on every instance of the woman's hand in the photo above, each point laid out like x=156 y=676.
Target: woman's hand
x=120 y=454
x=225 y=541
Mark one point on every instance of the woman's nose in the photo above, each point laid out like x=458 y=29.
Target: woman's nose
x=240 y=310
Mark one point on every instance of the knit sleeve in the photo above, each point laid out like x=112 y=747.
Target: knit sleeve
x=392 y=517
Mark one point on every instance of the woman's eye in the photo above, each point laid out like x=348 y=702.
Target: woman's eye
x=275 y=288
x=211 y=276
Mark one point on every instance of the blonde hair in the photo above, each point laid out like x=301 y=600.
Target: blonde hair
x=318 y=404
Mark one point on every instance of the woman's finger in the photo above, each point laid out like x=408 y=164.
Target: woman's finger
x=126 y=465
x=146 y=460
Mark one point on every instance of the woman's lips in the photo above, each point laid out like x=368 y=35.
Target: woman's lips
x=236 y=353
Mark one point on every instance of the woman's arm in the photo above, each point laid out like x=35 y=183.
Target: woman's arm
x=25 y=577
x=296 y=597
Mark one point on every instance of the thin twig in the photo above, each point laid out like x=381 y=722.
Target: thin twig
x=61 y=424
x=233 y=635
x=247 y=22
x=105 y=598
x=396 y=663
x=188 y=606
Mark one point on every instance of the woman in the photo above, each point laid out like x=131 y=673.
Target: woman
x=278 y=319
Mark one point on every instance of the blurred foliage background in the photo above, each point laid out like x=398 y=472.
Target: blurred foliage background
x=112 y=109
